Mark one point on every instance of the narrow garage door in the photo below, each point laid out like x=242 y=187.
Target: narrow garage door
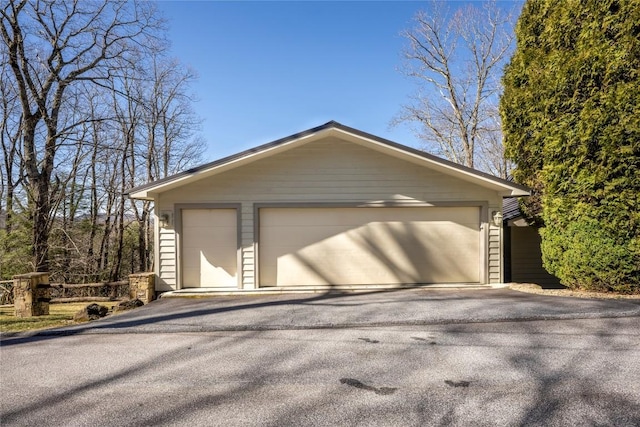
x=209 y=248
x=361 y=246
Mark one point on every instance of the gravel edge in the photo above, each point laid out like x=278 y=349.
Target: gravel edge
x=533 y=288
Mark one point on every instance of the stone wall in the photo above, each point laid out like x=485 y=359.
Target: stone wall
x=31 y=294
x=142 y=287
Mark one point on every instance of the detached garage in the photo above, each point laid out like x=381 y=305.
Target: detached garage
x=329 y=207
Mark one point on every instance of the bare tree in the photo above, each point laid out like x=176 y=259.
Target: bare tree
x=9 y=142
x=12 y=228
x=127 y=120
x=490 y=155
x=457 y=60
x=169 y=126
x=54 y=47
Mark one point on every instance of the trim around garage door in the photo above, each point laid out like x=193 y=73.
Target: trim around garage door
x=482 y=224
x=178 y=208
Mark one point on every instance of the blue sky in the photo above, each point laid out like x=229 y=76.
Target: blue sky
x=268 y=69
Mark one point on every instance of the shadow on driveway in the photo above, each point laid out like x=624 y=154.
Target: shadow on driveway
x=336 y=309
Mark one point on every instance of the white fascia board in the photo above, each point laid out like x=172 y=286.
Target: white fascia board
x=141 y=195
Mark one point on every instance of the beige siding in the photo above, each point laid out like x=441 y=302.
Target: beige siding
x=166 y=260
x=495 y=251
x=329 y=171
x=526 y=258
x=248 y=251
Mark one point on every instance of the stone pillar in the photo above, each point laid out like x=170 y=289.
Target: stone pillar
x=31 y=294
x=142 y=287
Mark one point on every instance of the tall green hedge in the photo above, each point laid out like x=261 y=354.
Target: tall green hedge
x=571 y=117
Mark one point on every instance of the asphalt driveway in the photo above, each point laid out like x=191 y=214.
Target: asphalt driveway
x=406 y=358
x=346 y=310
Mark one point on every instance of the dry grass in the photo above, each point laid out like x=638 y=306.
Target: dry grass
x=59 y=315
x=536 y=289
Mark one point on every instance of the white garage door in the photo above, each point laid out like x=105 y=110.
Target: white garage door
x=209 y=248
x=356 y=246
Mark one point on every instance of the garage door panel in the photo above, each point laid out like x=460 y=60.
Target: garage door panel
x=368 y=246
x=209 y=248
x=301 y=234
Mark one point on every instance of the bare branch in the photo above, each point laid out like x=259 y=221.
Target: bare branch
x=456 y=59
x=53 y=49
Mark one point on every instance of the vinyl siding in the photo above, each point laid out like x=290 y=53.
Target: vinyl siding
x=495 y=252
x=331 y=171
x=166 y=259
x=526 y=258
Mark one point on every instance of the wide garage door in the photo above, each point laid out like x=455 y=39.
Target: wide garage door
x=364 y=246
x=209 y=256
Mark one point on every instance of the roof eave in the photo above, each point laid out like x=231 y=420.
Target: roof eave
x=143 y=192
x=505 y=188
x=140 y=195
x=516 y=192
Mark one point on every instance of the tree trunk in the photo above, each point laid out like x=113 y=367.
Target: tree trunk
x=93 y=217
x=41 y=208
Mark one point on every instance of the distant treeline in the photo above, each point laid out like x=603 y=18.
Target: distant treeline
x=90 y=107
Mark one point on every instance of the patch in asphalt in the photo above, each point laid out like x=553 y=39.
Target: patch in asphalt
x=358 y=384
x=463 y=384
x=424 y=340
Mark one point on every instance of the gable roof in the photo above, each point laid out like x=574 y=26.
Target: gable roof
x=332 y=128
